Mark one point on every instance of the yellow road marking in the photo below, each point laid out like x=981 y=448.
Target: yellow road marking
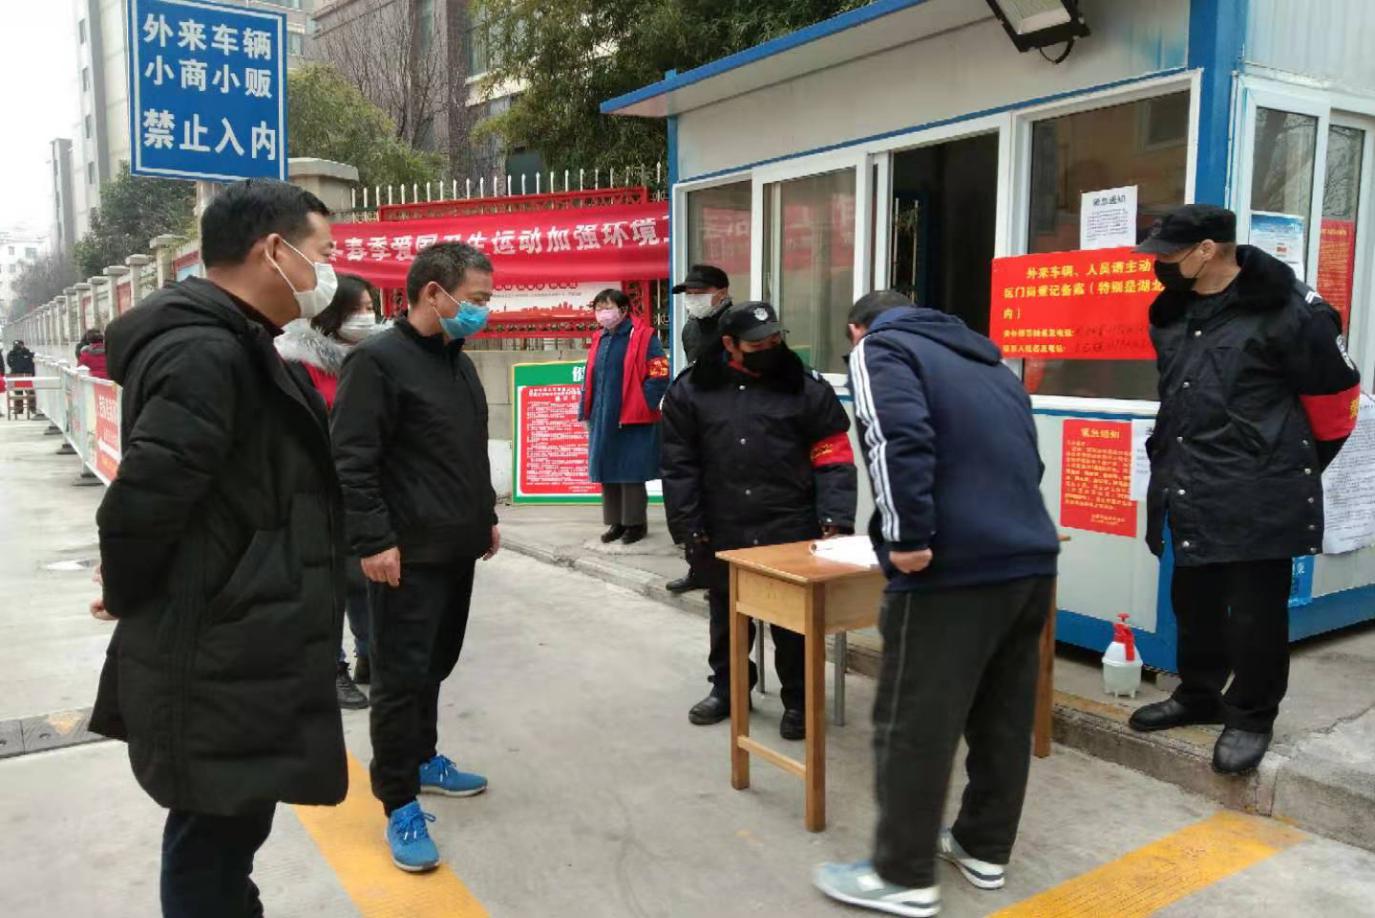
x=1163 y=872
x=351 y=837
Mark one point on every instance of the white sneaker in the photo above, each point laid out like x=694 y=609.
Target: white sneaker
x=980 y=873
x=858 y=884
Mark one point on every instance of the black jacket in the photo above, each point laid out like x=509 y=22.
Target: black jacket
x=21 y=361
x=221 y=547
x=750 y=461
x=703 y=336
x=1236 y=466
x=410 y=443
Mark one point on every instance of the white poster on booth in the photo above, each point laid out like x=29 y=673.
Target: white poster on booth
x=1282 y=235
x=1349 y=488
x=1141 y=462
x=1108 y=218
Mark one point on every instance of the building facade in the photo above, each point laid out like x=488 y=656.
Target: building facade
x=62 y=231
x=19 y=247
x=102 y=127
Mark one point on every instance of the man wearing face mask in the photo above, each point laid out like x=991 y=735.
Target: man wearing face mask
x=410 y=441
x=756 y=451
x=221 y=546
x=1257 y=396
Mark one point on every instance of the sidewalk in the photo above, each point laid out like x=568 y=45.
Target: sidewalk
x=1320 y=774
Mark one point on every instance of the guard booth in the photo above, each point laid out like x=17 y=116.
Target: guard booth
x=909 y=144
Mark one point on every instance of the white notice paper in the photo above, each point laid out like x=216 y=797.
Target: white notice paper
x=1349 y=489
x=1107 y=219
x=1282 y=235
x=1141 y=463
x=856 y=550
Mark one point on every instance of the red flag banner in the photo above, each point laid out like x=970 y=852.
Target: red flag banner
x=616 y=243
x=1088 y=305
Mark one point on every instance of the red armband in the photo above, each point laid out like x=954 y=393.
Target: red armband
x=1333 y=417
x=834 y=450
x=658 y=368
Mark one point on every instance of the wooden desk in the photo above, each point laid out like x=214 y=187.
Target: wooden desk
x=788 y=586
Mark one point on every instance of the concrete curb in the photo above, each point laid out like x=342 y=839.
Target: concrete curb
x=1315 y=792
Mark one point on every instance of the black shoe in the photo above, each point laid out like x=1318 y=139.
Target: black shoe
x=684 y=584
x=710 y=710
x=634 y=534
x=1238 y=752
x=612 y=534
x=1166 y=715
x=362 y=671
x=793 y=726
x=349 y=696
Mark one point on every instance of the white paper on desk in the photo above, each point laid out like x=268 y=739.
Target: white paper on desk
x=855 y=550
x=1141 y=462
x=1349 y=488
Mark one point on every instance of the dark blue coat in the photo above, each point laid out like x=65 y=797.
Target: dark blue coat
x=617 y=454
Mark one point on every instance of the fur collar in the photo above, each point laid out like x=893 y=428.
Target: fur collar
x=1265 y=284
x=712 y=371
x=301 y=343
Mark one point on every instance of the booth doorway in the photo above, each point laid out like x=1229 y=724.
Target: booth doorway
x=942 y=233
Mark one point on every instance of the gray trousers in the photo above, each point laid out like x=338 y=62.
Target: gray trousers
x=625 y=504
x=957 y=662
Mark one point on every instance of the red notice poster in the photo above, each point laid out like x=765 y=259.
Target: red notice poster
x=553 y=443
x=1337 y=265
x=1095 y=478
x=107 y=452
x=1089 y=305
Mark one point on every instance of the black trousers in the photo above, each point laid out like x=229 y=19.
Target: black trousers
x=207 y=862
x=356 y=605
x=625 y=504
x=788 y=655
x=960 y=662
x=1234 y=621
x=417 y=636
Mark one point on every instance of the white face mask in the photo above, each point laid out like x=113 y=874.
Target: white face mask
x=315 y=301
x=358 y=327
x=698 y=305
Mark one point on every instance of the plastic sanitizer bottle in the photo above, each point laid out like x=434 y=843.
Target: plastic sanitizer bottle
x=1121 y=662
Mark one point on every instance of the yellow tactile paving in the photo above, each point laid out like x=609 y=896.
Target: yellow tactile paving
x=1163 y=872
x=350 y=836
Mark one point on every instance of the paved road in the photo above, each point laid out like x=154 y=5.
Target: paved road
x=572 y=696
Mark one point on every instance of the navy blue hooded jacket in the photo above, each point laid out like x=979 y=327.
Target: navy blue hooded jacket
x=950 y=445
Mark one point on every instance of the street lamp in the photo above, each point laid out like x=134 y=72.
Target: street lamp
x=1041 y=23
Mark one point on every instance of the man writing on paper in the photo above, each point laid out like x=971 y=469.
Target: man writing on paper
x=970 y=553
x=756 y=452
x=1257 y=396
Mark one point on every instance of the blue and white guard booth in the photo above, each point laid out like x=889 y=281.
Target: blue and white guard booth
x=907 y=143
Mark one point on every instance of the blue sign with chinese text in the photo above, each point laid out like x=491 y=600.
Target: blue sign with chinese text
x=207 y=91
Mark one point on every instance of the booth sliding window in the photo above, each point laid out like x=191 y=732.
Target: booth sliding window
x=1142 y=143
x=809 y=263
x=718 y=233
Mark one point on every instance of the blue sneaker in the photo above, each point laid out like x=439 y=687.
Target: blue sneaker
x=408 y=836
x=858 y=884
x=439 y=776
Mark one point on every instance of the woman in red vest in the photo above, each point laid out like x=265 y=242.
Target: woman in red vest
x=627 y=376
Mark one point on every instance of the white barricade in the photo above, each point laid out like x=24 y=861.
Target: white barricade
x=86 y=410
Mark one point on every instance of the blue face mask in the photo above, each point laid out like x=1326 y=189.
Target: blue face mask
x=470 y=320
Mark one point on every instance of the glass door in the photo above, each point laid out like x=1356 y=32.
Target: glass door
x=1339 y=232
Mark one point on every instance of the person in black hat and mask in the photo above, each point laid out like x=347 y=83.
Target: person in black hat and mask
x=1257 y=396
x=756 y=451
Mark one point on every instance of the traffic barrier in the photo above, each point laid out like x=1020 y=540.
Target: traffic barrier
x=86 y=410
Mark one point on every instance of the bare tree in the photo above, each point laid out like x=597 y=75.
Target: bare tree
x=396 y=60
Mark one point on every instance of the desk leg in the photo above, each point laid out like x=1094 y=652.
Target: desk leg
x=739 y=688
x=759 y=652
x=841 y=663
x=1045 y=685
x=815 y=673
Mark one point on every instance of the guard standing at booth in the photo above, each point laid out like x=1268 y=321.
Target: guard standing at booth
x=1257 y=396
x=756 y=452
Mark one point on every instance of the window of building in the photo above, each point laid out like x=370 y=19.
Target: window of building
x=1143 y=143
x=88 y=127
x=30 y=252
x=1286 y=146
x=424 y=14
x=90 y=173
x=81 y=30
x=85 y=78
x=718 y=233
x=295 y=43
x=809 y=262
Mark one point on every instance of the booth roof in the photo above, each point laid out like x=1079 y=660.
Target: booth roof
x=858 y=33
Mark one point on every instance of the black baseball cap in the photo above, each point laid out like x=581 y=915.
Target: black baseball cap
x=702 y=277
x=1189 y=225
x=750 y=322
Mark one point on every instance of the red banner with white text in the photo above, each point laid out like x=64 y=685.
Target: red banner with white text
x=619 y=243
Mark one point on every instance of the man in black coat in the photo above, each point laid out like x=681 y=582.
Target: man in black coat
x=1257 y=396
x=221 y=542
x=756 y=451
x=705 y=295
x=410 y=442
x=21 y=360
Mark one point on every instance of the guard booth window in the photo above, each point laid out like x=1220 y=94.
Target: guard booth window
x=718 y=232
x=1143 y=143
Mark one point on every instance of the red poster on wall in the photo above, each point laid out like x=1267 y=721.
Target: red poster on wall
x=552 y=442
x=1337 y=265
x=1095 y=478
x=107 y=449
x=1090 y=305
